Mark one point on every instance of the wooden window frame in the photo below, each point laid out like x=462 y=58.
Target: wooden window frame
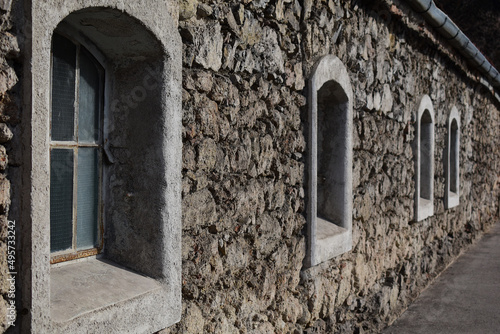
x=74 y=145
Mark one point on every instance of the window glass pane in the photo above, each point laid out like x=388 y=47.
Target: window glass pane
x=87 y=206
x=61 y=199
x=63 y=88
x=454 y=157
x=426 y=155
x=88 y=112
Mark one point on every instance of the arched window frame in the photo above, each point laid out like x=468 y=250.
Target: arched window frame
x=328 y=238
x=424 y=160
x=157 y=305
x=82 y=46
x=452 y=161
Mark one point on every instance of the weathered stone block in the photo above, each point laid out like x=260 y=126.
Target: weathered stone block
x=198 y=209
x=206 y=154
x=5 y=133
x=4 y=195
x=8 y=79
x=207 y=40
x=187 y=9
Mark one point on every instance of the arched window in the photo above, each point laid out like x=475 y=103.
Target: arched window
x=75 y=151
x=103 y=168
x=452 y=166
x=330 y=162
x=424 y=160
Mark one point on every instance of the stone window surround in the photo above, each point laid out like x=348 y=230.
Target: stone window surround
x=160 y=307
x=452 y=198
x=329 y=239
x=424 y=208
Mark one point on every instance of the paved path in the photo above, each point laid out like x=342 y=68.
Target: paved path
x=464 y=299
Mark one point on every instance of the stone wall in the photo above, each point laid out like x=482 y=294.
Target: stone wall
x=244 y=167
x=245 y=117
x=9 y=119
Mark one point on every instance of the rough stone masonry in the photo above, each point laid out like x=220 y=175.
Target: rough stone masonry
x=245 y=67
x=244 y=100
x=9 y=119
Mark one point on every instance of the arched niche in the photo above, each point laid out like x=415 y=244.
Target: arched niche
x=424 y=160
x=140 y=49
x=452 y=161
x=329 y=221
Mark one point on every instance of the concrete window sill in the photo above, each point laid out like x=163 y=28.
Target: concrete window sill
x=82 y=287
x=331 y=240
x=425 y=209
x=453 y=200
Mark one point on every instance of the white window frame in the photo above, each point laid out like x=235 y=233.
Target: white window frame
x=424 y=207
x=452 y=161
x=158 y=308
x=327 y=239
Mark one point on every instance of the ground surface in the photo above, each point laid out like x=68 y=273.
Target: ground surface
x=464 y=299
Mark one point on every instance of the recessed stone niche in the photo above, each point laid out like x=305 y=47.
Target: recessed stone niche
x=452 y=166
x=137 y=286
x=424 y=160
x=330 y=162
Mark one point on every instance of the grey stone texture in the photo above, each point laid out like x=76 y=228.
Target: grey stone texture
x=244 y=185
x=139 y=45
x=244 y=240
x=9 y=116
